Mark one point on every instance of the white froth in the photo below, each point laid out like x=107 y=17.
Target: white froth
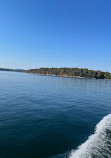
x=98 y=145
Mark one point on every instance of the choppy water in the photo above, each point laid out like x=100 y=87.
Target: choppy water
x=53 y=117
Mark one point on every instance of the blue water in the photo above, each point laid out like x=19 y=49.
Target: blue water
x=48 y=117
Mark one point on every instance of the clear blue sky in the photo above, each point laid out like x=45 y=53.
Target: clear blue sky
x=55 y=33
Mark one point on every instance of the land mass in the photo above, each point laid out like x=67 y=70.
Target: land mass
x=72 y=72
x=15 y=70
x=65 y=72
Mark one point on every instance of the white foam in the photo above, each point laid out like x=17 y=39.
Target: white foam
x=98 y=145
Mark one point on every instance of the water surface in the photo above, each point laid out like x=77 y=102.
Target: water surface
x=47 y=117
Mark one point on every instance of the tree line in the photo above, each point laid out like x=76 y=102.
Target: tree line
x=15 y=70
x=72 y=72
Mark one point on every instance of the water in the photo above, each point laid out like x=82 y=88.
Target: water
x=50 y=117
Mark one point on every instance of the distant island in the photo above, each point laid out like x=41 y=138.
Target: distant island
x=15 y=70
x=71 y=72
x=65 y=72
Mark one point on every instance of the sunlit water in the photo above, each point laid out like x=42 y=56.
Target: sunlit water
x=53 y=117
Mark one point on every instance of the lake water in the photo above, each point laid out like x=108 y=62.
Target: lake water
x=48 y=117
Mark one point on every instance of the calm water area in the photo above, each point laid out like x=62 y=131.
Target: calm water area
x=48 y=117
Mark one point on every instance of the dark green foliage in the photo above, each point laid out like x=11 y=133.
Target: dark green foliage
x=15 y=70
x=72 y=72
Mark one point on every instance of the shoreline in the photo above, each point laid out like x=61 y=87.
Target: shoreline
x=71 y=72
x=64 y=76
x=52 y=75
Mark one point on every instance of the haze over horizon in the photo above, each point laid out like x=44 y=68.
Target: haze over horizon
x=61 y=33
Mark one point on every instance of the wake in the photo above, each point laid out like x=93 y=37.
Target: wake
x=98 y=145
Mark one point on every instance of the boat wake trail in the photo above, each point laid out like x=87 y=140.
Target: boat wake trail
x=98 y=145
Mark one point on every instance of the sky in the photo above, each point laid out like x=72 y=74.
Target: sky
x=55 y=33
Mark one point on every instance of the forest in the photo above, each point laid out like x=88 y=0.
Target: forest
x=72 y=72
